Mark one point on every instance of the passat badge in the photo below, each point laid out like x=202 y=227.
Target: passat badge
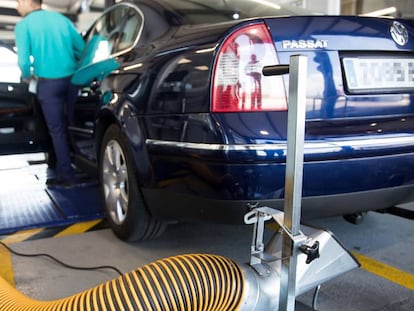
x=399 y=33
x=305 y=44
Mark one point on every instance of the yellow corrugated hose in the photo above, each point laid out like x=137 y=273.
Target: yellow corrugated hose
x=184 y=282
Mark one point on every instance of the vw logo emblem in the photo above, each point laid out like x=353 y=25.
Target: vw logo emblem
x=399 y=33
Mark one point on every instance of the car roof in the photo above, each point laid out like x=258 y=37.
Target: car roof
x=215 y=11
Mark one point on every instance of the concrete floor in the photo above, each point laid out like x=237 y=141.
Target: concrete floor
x=385 y=239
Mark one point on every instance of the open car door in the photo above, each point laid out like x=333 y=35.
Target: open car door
x=22 y=128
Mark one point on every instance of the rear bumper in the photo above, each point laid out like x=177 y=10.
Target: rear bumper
x=187 y=207
x=217 y=182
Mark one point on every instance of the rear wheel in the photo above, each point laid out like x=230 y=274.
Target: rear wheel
x=124 y=205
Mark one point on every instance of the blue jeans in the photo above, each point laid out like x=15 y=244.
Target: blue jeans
x=57 y=98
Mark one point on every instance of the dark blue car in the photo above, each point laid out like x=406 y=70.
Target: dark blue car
x=181 y=124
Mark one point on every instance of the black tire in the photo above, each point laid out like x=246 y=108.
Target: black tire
x=124 y=206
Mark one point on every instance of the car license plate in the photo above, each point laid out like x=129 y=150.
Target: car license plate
x=378 y=74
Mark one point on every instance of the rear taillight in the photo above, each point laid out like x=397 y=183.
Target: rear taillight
x=238 y=82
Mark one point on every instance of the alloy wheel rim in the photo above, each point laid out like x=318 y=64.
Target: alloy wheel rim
x=115 y=182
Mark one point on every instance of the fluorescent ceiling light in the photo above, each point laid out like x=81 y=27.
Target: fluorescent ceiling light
x=382 y=12
x=269 y=4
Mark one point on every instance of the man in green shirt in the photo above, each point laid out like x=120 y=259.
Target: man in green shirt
x=49 y=48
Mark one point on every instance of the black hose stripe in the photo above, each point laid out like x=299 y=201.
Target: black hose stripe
x=201 y=274
x=122 y=297
x=173 y=281
x=15 y=305
x=192 y=281
x=210 y=285
x=89 y=299
x=196 y=277
x=183 y=271
x=64 y=304
x=36 y=306
x=205 y=290
x=223 y=283
x=114 y=295
x=234 y=287
x=162 y=278
x=102 y=298
x=124 y=292
x=223 y=266
x=75 y=301
x=144 y=290
x=149 y=289
x=169 y=286
x=132 y=292
x=86 y=300
x=160 y=294
x=94 y=299
x=118 y=301
x=227 y=281
x=109 y=296
x=141 y=292
x=157 y=289
x=69 y=305
x=182 y=284
x=234 y=279
x=216 y=285
x=239 y=284
x=40 y=306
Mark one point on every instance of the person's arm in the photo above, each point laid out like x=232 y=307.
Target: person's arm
x=23 y=51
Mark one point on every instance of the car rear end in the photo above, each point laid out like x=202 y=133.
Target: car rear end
x=223 y=152
x=359 y=151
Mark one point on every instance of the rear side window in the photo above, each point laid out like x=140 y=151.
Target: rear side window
x=112 y=34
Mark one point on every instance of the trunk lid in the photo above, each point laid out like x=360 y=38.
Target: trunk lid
x=358 y=67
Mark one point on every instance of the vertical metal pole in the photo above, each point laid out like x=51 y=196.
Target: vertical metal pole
x=294 y=176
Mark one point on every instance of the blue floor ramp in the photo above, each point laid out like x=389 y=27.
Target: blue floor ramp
x=26 y=202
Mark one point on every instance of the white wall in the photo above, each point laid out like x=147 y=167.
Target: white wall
x=331 y=7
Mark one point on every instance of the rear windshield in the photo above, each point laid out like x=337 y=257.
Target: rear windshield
x=215 y=11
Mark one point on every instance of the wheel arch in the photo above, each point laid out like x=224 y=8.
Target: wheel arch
x=128 y=122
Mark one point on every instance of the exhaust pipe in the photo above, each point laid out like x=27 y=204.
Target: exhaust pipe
x=199 y=282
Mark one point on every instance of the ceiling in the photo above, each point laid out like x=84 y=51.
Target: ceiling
x=72 y=8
